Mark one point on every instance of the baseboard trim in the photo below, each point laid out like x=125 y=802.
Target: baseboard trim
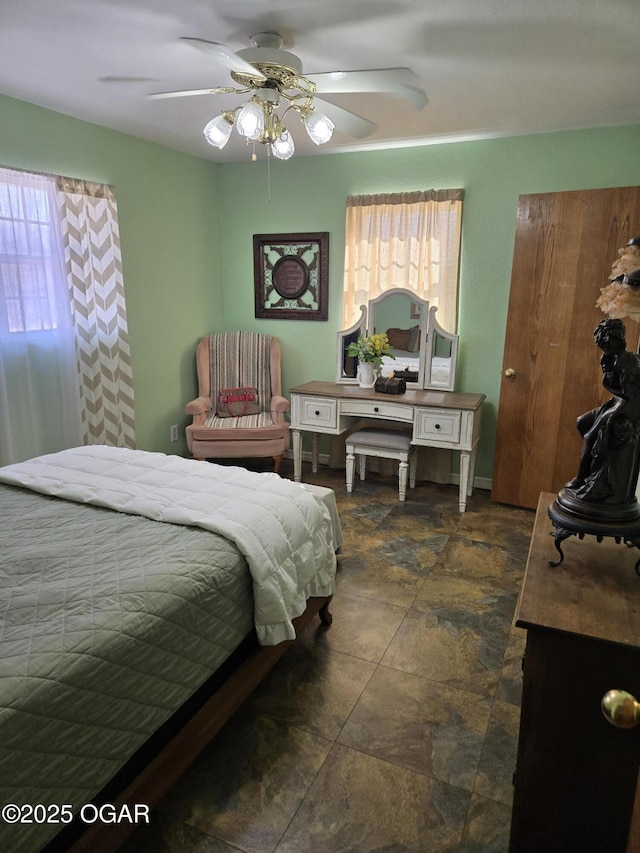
x=454 y=479
x=478 y=482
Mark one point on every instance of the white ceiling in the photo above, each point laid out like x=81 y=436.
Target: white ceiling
x=489 y=67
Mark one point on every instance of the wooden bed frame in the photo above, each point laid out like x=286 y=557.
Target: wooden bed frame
x=181 y=740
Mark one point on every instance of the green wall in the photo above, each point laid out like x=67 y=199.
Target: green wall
x=187 y=226
x=167 y=208
x=308 y=194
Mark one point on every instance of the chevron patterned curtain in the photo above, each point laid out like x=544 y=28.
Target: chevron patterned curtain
x=91 y=241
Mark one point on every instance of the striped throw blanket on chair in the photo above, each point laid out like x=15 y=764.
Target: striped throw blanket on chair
x=240 y=360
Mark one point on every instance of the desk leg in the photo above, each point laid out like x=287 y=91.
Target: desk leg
x=467 y=470
x=297 y=454
x=472 y=469
x=315 y=440
x=465 y=464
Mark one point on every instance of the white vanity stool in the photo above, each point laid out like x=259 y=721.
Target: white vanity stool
x=385 y=443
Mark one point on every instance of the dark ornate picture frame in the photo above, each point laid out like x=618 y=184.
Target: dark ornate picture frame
x=291 y=276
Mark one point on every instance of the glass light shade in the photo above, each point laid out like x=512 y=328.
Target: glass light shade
x=218 y=131
x=250 y=121
x=283 y=146
x=319 y=127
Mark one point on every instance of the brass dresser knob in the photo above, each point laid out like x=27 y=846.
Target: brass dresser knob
x=621 y=709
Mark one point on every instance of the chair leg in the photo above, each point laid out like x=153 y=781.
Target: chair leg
x=402 y=474
x=351 y=461
x=362 y=460
x=276 y=462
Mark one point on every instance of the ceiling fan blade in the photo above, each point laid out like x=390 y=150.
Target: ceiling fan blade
x=399 y=82
x=415 y=94
x=345 y=120
x=224 y=55
x=187 y=93
x=113 y=78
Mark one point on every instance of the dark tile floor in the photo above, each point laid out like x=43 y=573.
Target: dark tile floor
x=396 y=728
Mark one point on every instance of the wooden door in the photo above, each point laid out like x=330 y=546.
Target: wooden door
x=564 y=247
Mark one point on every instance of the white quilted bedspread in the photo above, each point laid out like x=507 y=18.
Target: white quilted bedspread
x=283 y=531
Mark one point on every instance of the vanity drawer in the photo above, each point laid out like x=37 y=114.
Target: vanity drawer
x=318 y=412
x=438 y=425
x=375 y=409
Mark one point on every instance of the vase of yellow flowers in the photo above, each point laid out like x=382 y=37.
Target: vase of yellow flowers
x=369 y=351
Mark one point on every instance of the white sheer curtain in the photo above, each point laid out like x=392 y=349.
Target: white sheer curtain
x=407 y=240
x=39 y=390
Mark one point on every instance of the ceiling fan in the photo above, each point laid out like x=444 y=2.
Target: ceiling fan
x=273 y=77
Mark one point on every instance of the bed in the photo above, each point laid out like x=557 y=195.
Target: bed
x=400 y=362
x=128 y=579
x=406 y=365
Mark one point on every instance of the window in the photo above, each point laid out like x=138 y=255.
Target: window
x=31 y=265
x=409 y=240
x=65 y=369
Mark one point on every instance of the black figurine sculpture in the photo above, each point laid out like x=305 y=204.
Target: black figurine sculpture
x=601 y=499
x=610 y=433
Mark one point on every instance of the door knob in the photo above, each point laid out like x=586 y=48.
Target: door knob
x=621 y=709
x=510 y=373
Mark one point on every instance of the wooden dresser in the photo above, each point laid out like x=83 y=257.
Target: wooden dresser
x=576 y=773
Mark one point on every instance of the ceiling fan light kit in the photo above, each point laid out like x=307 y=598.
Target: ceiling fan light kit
x=258 y=121
x=273 y=77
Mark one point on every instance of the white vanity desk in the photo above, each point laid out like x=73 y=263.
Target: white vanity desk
x=439 y=419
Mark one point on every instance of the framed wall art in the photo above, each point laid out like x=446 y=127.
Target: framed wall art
x=291 y=273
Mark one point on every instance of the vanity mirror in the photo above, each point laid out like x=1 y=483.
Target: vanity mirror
x=442 y=356
x=347 y=364
x=425 y=354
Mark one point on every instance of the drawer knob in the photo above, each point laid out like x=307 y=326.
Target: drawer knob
x=317 y=411
x=437 y=426
x=621 y=709
x=376 y=409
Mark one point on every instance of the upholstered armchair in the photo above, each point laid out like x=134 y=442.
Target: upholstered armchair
x=232 y=360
